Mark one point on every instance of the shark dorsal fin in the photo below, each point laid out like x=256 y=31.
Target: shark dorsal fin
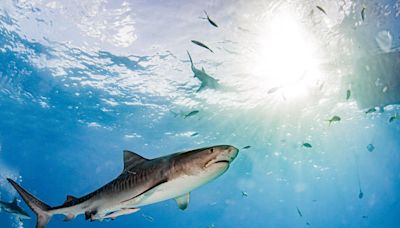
x=131 y=159
x=202 y=69
x=70 y=199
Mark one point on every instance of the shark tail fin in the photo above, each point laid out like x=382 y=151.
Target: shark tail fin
x=41 y=209
x=190 y=58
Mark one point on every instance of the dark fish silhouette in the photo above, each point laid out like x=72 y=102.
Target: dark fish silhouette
x=192 y=113
x=371 y=110
x=299 y=212
x=206 y=80
x=194 y=134
x=363 y=13
x=360 y=194
x=246 y=147
x=244 y=194
x=209 y=20
x=348 y=94
x=392 y=118
x=334 y=119
x=321 y=9
x=201 y=45
x=307 y=145
x=370 y=147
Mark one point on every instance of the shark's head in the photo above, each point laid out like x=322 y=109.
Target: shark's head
x=215 y=159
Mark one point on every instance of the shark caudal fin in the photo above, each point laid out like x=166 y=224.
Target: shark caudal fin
x=190 y=58
x=41 y=209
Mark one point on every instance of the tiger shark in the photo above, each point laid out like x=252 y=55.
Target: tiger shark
x=13 y=208
x=142 y=182
x=206 y=80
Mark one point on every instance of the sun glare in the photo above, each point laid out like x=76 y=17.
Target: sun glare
x=284 y=60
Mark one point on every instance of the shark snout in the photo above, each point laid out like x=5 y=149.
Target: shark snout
x=228 y=154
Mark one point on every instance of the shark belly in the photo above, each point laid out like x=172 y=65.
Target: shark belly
x=177 y=187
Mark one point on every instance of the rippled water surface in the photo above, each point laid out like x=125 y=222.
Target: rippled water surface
x=308 y=90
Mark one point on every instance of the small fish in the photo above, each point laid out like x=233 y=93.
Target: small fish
x=244 y=194
x=307 y=145
x=348 y=94
x=360 y=195
x=148 y=218
x=392 y=118
x=194 y=134
x=299 y=212
x=273 y=90
x=307 y=223
x=202 y=45
x=384 y=89
x=321 y=9
x=192 y=113
x=363 y=13
x=334 y=119
x=371 y=110
x=246 y=147
x=209 y=20
x=364 y=217
x=370 y=147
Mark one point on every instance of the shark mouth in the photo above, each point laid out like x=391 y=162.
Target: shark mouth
x=222 y=161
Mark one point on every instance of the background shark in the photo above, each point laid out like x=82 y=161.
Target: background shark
x=206 y=80
x=14 y=209
x=142 y=182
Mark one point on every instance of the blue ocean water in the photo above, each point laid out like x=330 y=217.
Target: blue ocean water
x=80 y=81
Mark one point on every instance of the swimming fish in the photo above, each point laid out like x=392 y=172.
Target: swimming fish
x=142 y=182
x=148 y=218
x=14 y=209
x=363 y=13
x=307 y=145
x=209 y=20
x=360 y=194
x=392 y=118
x=348 y=94
x=299 y=212
x=370 y=147
x=246 y=147
x=334 y=119
x=194 y=134
x=371 y=110
x=244 y=194
x=202 y=45
x=321 y=9
x=192 y=113
x=206 y=80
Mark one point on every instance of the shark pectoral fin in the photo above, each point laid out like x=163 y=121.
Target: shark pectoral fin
x=183 y=201
x=124 y=211
x=202 y=86
x=69 y=217
x=131 y=159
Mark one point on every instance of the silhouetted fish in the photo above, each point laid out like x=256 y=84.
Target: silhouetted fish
x=348 y=94
x=299 y=212
x=363 y=13
x=209 y=20
x=371 y=110
x=246 y=147
x=370 y=147
x=192 y=113
x=321 y=9
x=202 y=45
x=334 y=119
x=307 y=145
x=273 y=89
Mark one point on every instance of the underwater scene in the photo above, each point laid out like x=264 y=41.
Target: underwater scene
x=208 y=114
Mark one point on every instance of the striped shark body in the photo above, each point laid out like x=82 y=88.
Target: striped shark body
x=142 y=182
